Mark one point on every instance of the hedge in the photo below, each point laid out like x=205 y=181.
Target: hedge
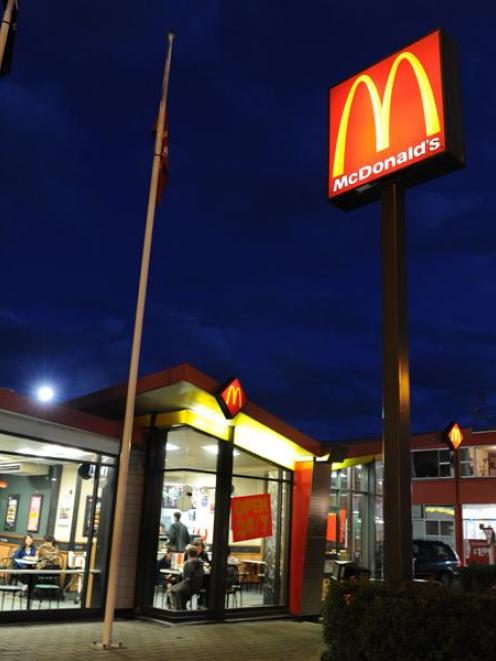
x=478 y=578
x=414 y=622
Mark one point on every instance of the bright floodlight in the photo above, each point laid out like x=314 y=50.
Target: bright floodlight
x=45 y=393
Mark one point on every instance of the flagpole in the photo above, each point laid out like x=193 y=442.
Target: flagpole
x=4 y=30
x=106 y=643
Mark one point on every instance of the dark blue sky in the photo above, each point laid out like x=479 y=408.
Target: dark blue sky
x=253 y=272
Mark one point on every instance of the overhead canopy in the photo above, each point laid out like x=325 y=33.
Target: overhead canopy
x=185 y=396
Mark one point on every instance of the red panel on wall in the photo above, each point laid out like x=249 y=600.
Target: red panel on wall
x=433 y=492
x=302 y=487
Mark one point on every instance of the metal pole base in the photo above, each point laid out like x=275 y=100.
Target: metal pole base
x=100 y=647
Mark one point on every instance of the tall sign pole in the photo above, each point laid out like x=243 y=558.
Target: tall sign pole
x=113 y=578
x=396 y=389
x=453 y=436
x=394 y=125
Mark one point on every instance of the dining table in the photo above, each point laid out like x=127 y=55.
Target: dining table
x=31 y=575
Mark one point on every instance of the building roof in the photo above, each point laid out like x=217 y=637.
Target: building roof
x=181 y=387
x=12 y=402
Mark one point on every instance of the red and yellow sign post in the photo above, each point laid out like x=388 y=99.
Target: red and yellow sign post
x=454 y=438
x=392 y=126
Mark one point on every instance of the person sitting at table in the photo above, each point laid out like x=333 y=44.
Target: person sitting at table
x=48 y=554
x=165 y=561
x=26 y=550
x=200 y=547
x=192 y=582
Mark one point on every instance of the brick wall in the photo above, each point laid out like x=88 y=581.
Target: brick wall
x=131 y=530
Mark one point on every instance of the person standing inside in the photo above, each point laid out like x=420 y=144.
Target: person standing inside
x=178 y=534
x=491 y=541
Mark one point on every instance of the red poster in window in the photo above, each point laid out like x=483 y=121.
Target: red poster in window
x=251 y=517
x=331 y=526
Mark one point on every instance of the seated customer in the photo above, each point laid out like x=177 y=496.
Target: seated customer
x=48 y=554
x=192 y=582
x=200 y=547
x=26 y=549
x=165 y=561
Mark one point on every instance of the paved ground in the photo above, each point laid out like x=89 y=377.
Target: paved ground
x=274 y=640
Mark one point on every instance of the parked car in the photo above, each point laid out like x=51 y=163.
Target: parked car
x=434 y=559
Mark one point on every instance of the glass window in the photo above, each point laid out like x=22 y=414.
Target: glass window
x=355 y=524
x=257 y=563
x=187 y=448
x=184 y=553
x=257 y=541
x=432 y=528
x=447 y=528
x=434 y=521
x=431 y=463
x=250 y=465
x=379 y=477
x=55 y=512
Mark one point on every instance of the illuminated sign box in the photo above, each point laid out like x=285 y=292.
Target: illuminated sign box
x=399 y=119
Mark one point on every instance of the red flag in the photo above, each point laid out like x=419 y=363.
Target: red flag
x=164 y=161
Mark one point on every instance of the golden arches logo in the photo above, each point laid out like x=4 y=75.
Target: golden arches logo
x=455 y=436
x=382 y=109
x=234 y=395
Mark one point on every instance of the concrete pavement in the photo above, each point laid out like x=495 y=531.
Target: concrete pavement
x=273 y=640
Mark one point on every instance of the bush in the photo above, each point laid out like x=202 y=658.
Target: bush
x=380 y=622
x=477 y=578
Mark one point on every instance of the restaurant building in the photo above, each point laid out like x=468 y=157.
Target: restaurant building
x=244 y=482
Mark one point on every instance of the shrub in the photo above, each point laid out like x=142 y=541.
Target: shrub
x=380 y=622
x=477 y=578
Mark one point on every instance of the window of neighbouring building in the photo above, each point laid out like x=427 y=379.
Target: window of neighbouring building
x=434 y=522
x=431 y=463
x=478 y=461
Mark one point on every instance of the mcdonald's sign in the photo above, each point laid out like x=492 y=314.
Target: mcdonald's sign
x=232 y=398
x=453 y=435
x=399 y=118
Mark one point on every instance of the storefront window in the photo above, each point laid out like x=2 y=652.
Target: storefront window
x=478 y=521
x=55 y=523
x=260 y=562
x=352 y=509
x=187 y=516
x=256 y=541
x=431 y=463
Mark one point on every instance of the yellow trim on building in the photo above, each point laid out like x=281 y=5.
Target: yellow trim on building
x=249 y=434
x=355 y=461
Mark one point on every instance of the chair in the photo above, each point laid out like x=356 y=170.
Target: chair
x=50 y=585
x=244 y=575
x=5 y=583
x=260 y=574
x=233 y=586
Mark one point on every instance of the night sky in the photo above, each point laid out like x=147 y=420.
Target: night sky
x=253 y=272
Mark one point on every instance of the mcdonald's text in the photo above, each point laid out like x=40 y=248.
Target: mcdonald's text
x=388 y=164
